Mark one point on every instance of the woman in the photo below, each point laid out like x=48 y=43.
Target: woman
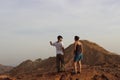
x=78 y=55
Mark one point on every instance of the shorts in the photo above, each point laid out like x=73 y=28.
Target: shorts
x=78 y=57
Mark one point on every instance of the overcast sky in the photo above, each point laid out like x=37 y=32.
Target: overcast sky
x=27 y=26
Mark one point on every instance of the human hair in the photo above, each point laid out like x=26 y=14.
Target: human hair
x=59 y=37
x=76 y=38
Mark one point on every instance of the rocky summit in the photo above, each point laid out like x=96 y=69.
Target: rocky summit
x=98 y=64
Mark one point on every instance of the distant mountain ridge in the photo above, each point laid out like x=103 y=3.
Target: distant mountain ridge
x=4 y=68
x=94 y=55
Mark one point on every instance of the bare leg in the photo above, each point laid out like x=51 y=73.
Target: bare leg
x=80 y=66
x=75 y=67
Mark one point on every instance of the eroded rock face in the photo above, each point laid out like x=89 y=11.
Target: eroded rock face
x=5 y=79
x=100 y=77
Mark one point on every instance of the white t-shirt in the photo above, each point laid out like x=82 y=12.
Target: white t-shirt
x=59 y=46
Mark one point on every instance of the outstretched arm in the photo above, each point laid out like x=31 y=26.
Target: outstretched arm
x=51 y=43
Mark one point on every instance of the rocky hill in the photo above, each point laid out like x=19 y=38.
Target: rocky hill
x=98 y=64
x=4 y=69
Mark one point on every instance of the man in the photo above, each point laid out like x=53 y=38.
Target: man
x=59 y=53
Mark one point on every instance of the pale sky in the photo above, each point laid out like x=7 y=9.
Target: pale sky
x=27 y=26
